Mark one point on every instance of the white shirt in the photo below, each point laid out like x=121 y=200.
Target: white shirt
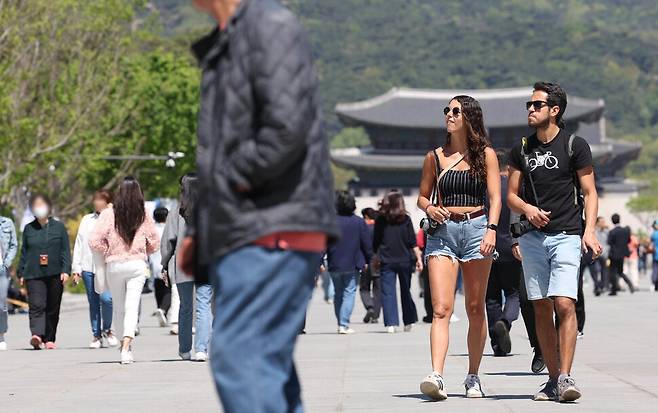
x=82 y=255
x=156 y=258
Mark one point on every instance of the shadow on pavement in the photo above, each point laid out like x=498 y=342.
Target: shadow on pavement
x=516 y=374
x=418 y=396
x=140 y=361
x=510 y=396
x=484 y=355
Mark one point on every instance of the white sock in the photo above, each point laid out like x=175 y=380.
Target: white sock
x=562 y=377
x=2 y=338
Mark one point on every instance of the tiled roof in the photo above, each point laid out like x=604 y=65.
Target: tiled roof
x=418 y=108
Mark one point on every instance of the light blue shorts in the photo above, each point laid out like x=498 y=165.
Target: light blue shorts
x=458 y=240
x=551 y=264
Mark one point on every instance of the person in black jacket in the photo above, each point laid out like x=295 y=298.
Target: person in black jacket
x=370 y=282
x=44 y=266
x=395 y=243
x=618 y=240
x=265 y=208
x=347 y=257
x=504 y=277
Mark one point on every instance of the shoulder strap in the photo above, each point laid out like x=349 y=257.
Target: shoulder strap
x=461 y=158
x=576 y=183
x=526 y=172
x=439 y=175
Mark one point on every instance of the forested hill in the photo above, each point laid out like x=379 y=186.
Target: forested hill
x=604 y=49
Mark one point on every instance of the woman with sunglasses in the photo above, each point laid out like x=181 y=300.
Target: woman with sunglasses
x=457 y=180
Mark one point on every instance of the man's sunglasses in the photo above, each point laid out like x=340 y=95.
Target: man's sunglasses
x=455 y=111
x=535 y=104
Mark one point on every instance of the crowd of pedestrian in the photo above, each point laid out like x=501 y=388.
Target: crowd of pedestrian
x=117 y=249
x=246 y=242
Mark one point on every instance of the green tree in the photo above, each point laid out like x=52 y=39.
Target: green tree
x=60 y=66
x=84 y=81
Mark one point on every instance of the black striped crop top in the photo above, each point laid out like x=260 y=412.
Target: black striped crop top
x=460 y=189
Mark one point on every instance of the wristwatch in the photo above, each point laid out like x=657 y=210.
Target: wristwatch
x=492 y=227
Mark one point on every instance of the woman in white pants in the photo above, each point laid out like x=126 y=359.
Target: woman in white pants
x=126 y=235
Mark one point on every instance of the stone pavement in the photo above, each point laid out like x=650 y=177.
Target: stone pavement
x=616 y=367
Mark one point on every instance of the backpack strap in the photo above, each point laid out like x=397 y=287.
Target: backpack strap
x=527 y=174
x=577 y=195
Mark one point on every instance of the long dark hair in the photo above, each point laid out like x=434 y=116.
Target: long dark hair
x=476 y=135
x=392 y=208
x=129 y=213
x=188 y=196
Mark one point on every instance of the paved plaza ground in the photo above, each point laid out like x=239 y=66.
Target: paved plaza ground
x=371 y=371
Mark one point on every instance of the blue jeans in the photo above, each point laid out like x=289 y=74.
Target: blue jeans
x=327 y=286
x=4 y=289
x=403 y=271
x=261 y=297
x=203 y=316
x=345 y=290
x=551 y=264
x=100 y=306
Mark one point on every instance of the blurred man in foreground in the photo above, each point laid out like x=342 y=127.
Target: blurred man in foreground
x=266 y=198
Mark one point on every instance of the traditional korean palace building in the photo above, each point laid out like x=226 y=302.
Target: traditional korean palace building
x=404 y=124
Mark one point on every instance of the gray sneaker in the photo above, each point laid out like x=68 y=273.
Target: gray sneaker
x=567 y=390
x=434 y=387
x=548 y=392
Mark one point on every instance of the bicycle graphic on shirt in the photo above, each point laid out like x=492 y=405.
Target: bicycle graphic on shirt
x=547 y=160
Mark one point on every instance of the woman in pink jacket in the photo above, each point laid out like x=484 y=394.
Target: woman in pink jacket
x=126 y=235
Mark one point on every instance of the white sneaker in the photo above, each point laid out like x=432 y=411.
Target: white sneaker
x=185 y=356
x=174 y=330
x=201 y=356
x=434 y=387
x=407 y=328
x=162 y=319
x=96 y=344
x=112 y=340
x=345 y=330
x=473 y=387
x=127 y=357
x=3 y=346
x=454 y=318
x=390 y=329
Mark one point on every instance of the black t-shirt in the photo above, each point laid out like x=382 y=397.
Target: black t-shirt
x=554 y=179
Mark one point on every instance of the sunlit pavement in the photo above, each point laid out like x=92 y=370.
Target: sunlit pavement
x=616 y=366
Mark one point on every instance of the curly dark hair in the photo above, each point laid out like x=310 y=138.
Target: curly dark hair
x=129 y=212
x=476 y=134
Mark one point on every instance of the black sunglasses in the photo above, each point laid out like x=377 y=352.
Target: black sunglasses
x=455 y=111
x=536 y=104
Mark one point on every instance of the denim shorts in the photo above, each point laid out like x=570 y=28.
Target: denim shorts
x=551 y=264
x=458 y=240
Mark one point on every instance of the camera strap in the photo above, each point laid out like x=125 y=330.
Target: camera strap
x=524 y=154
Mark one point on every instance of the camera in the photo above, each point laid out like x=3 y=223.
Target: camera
x=521 y=228
x=429 y=225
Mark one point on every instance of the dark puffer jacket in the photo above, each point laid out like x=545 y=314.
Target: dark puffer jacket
x=263 y=159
